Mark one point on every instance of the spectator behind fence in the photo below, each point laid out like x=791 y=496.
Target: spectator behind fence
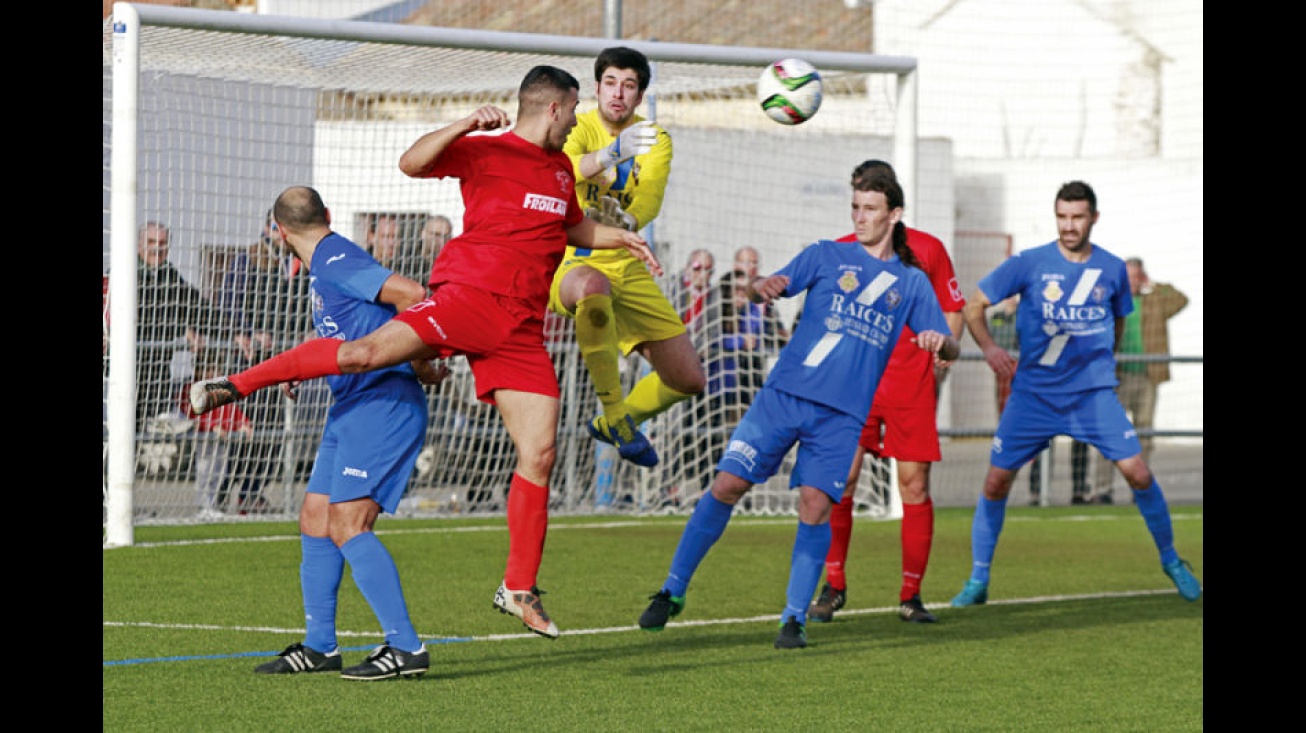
x=1074 y=298
x=383 y=240
x=748 y=260
x=173 y=323
x=1147 y=331
x=698 y=301
x=435 y=233
x=692 y=293
x=737 y=361
x=217 y=432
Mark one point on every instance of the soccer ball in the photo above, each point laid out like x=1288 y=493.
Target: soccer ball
x=789 y=91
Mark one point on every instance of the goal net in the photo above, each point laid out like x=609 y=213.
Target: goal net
x=208 y=115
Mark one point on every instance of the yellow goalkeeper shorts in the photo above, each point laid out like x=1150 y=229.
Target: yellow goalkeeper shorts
x=641 y=309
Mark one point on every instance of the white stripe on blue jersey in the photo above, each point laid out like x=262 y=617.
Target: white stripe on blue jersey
x=1065 y=323
x=854 y=311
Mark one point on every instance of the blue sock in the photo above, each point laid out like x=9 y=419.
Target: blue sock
x=703 y=529
x=321 y=566
x=1156 y=514
x=811 y=542
x=985 y=529
x=376 y=576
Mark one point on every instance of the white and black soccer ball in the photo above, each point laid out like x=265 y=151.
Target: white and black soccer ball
x=789 y=91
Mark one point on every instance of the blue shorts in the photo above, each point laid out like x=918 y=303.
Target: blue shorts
x=774 y=422
x=1031 y=420
x=370 y=444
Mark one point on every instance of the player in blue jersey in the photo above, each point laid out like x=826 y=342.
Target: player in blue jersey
x=373 y=433
x=1074 y=297
x=859 y=296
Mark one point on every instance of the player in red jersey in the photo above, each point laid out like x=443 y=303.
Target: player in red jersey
x=489 y=292
x=901 y=425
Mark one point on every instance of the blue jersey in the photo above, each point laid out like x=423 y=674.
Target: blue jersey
x=855 y=309
x=344 y=283
x=1065 y=323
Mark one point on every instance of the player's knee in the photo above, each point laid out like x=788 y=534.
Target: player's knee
x=538 y=460
x=997 y=484
x=356 y=356
x=1136 y=472
x=914 y=492
x=585 y=281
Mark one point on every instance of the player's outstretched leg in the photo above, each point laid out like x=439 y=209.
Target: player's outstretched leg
x=704 y=528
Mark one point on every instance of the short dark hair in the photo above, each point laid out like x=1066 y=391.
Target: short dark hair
x=623 y=57
x=544 y=84
x=874 y=165
x=1078 y=191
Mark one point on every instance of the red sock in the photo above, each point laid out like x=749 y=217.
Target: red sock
x=917 y=534
x=841 y=532
x=528 y=522
x=311 y=359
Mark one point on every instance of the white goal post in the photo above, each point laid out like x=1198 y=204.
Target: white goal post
x=209 y=114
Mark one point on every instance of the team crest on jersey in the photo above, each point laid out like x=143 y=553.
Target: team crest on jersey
x=892 y=299
x=1099 y=293
x=1052 y=292
x=565 y=181
x=848 y=281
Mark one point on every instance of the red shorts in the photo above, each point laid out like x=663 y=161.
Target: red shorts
x=502 y=338
x=910 y=429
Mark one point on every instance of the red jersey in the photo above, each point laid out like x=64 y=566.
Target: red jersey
x=911 y=369
x=520 y=201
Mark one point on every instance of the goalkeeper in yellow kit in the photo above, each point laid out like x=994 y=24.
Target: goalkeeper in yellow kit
x=622 y=162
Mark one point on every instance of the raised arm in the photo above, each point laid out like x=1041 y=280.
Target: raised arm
x=417 y=160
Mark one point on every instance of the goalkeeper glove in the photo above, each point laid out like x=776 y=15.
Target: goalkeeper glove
x=609 y=212
x=634 y=140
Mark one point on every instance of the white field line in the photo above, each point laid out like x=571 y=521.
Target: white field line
x=558 y=525
x=438 y=639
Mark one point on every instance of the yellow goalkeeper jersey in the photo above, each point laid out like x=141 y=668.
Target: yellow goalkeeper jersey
x=638 y=184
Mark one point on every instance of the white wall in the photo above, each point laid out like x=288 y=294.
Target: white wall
x=1034 y=93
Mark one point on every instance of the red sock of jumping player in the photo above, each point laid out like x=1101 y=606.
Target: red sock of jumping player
x=528 y=522
x=311 y=359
